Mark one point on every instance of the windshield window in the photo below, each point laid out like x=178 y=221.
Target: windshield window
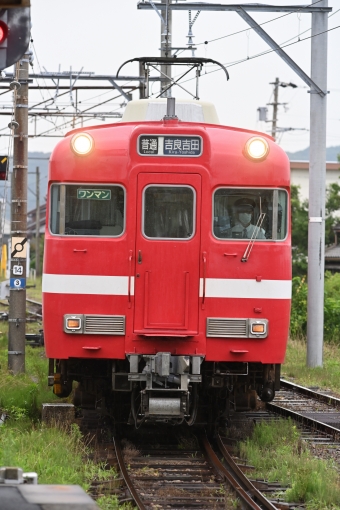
x=168 y=212
x=87 y=210
x=250 y=213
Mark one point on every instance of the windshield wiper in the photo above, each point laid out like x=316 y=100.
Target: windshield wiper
x=252 y=240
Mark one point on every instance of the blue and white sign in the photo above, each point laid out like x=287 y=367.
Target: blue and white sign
x=17 y=283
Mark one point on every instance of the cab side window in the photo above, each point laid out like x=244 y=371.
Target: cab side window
x=250 y=214
x=87 y=210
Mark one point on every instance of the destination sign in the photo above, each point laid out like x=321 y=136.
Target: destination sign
x=171 y=145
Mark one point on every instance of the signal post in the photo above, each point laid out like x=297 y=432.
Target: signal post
x=17 y=301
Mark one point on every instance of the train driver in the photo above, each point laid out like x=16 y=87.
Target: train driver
x=243 y=228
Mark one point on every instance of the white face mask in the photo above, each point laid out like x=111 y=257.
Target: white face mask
x=245 y=218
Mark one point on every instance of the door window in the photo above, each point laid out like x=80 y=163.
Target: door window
x=259 y=214
x=168 y=212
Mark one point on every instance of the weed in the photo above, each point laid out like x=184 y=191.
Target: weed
x=277 y=452
x=327 y=377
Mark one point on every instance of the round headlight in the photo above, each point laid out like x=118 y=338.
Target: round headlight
x=82 y=144
x=257 y=148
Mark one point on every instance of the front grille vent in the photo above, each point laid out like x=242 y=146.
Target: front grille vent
x=227 y=328
x=104 y=324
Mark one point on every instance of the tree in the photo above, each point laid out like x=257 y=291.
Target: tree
x=300 y=224
x=299 y=232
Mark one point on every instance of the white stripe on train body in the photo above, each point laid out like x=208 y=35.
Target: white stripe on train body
x=246 y=289
x=214 y=287
x=87 y=284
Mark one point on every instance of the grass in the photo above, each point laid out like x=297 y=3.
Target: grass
x=278 y=453
x=58 y=456
x=33 y=290
x=326 y=377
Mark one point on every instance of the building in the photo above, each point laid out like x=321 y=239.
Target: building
x=300 y=175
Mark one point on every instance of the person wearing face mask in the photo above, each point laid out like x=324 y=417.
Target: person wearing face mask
x=243 y=228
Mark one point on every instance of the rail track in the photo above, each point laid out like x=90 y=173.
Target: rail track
x=317 y=410
x=174 y=469
x=171 y=469
x=33 y=310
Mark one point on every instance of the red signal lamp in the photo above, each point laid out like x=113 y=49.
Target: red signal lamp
x=3 y=31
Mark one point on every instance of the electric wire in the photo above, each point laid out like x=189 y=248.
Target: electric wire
x=261 y=24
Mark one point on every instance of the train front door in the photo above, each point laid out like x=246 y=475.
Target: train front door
x=167 y=254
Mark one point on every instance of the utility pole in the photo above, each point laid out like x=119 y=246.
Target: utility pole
x=166 y=41
x=317 y=190
x=37 y=224
x=277 y=83
x=17 y=301
x=275 y=105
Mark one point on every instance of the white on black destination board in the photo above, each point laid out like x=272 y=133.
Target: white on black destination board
x=171 y=145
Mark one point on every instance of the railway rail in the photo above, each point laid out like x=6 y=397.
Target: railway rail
x=169 y=469
x=169 y=474
x=317 y=410
x=33 y=310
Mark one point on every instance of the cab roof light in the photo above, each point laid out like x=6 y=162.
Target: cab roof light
x=257 y=148
x=82 y=144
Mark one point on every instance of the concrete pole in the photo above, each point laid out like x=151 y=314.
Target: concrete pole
x=17 y=300
x=37 y=224
x=317 y=190
x=166 y=41
x=275 y=104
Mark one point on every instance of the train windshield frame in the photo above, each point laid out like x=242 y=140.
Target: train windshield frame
x=169 y=212
x=245 y=213
x=87 y=210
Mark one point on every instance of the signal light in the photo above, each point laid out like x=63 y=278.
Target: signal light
x=257 y=148
x=15 y=29
x=82 y=144
x=3 y=31
x=3 y=168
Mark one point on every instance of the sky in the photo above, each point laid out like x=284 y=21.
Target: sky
x=100 y=36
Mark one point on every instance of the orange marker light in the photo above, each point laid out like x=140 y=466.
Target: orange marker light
x=257 y=328
x=73 y=323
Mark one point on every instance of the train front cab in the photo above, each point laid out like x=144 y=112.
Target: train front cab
x=205 y=307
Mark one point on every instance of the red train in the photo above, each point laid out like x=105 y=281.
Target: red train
x=167 y=270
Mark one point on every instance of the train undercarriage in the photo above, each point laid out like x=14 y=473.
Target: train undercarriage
x=165 y=388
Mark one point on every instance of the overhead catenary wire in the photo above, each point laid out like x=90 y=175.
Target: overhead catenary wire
x=261 y=24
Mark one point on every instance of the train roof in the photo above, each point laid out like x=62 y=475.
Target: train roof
x=155 y=109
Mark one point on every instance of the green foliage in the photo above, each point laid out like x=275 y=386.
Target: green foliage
x=332 y=206
x=299 y=232
x=300 y=225
x=55 y=455
x=298 y=319
x=108 y=503
x=23 y=394
x=33 y=252
x=278 y=453
x=298 y=323
x=112 y=503
x=327 y=376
